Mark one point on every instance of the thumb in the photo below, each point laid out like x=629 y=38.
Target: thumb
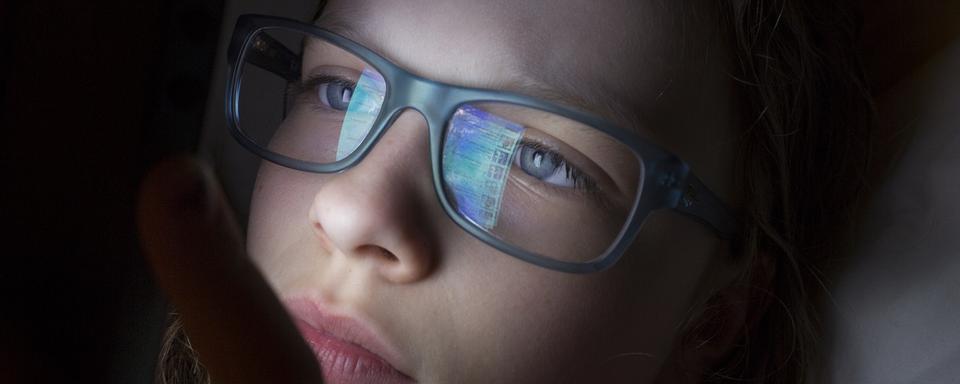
x=241 y=332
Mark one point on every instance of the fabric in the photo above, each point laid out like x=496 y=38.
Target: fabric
x=896 y=311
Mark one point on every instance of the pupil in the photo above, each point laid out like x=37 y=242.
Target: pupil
x=537 y=159
x=339 y=96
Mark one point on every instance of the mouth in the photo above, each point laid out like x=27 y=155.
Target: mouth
x=348 y=351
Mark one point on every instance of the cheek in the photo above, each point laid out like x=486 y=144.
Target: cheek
x=540 y=221
x=533 y=325
x=521 y=323
x=279 y=217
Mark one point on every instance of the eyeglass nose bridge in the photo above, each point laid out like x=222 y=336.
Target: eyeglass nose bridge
x=433 y=100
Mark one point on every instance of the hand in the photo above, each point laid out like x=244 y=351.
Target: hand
x=241 y=332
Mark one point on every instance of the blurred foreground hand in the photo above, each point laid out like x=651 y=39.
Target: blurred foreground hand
x=239 y=329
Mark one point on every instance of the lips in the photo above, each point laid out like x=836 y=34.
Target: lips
x=348 y=351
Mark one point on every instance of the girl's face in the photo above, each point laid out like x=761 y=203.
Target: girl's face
x=374 y=245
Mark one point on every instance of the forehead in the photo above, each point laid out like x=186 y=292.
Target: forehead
x=609 y=57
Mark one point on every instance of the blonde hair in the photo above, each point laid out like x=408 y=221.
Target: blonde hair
x=178 y=363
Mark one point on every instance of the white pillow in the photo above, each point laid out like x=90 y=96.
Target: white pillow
x=896 y=311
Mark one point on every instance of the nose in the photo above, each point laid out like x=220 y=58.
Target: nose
x=378 y=211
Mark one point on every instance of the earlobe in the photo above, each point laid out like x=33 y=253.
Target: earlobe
x=723 y=324
x=720 y=326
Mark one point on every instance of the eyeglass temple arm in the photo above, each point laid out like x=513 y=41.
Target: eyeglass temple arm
x=271 y=55
x=701 y=204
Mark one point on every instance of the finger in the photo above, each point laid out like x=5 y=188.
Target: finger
x=241 y=332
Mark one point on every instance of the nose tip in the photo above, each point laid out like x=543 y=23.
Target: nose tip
x=364 y=233
x=377 y=211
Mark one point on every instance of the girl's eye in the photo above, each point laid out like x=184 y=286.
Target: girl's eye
x=335 y=93
x=548 y=166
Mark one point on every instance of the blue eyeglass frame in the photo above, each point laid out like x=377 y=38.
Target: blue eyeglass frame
x=667 y=181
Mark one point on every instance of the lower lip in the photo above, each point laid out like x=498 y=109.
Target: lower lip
x=343 y=362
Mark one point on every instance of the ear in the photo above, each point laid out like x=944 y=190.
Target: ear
x=721 y=326
x=728 y=314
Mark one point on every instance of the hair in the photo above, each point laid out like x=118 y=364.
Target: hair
x=801 y=165
x=801 y=168
x=178 y=363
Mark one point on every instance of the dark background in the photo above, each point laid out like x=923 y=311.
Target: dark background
x=92 y=93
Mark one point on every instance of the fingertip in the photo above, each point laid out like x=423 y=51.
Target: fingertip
x=191 y=241
x=180 y=219
x=179 y=184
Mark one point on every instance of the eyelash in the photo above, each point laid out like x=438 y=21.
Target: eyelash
x=309 y=86
x=582 y=183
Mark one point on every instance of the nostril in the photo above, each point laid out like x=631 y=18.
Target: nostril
x=389 y=255
x=374 y=250
x=377 y=251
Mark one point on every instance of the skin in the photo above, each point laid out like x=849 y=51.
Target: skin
x=374 y=242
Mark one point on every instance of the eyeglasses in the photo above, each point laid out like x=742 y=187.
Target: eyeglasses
x=550 y=185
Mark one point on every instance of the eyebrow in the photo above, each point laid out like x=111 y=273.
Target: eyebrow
x=595 y=100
